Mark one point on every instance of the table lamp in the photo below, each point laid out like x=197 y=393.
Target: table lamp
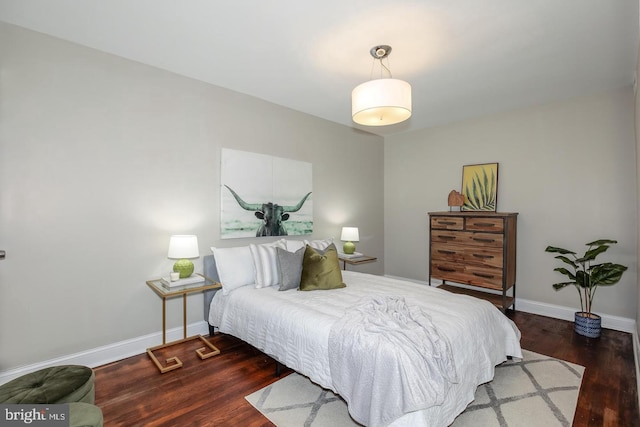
x=182 y=247
x=349 y=235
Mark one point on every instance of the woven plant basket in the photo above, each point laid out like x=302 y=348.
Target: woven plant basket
x=589 y=327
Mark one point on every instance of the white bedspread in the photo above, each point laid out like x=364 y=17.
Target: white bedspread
x=380 y=354
x=294 y=327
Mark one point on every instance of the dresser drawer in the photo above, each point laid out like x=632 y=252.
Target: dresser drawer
x=447 y=252
x=485 y=224
x=447 y=270
x=490 y=257
x=482 y=256
x=467 y=238
x=485 y=277
x=447 y=223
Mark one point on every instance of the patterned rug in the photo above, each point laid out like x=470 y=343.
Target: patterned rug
x=535 y=391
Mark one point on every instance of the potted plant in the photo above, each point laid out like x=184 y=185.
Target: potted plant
x=586 y=277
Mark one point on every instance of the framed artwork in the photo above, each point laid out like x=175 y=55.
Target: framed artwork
x=480 y=187
x=263 y=195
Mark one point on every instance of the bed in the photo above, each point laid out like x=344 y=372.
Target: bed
x=459 y=342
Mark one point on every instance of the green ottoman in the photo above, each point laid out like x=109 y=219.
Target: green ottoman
x=57 y=384
x=84 y=415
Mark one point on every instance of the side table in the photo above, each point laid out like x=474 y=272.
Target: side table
x=165 y=293
x=361 y=259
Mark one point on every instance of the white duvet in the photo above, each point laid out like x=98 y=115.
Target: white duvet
x=294 y=326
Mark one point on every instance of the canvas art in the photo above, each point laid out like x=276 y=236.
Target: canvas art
x=480 y=187
x=264 y=195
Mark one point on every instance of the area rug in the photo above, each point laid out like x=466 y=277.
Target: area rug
x=535 y=391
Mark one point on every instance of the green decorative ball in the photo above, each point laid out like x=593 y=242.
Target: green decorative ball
x=349 y=248
x=184 y=267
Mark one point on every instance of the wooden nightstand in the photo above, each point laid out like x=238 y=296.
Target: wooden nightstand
x=361 y=259
x=165 y=293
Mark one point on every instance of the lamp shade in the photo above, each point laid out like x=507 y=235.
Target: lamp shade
x=183 y=246
x=350 y=234
x=381 y=102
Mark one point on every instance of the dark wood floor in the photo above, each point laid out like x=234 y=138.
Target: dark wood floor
x=211 y=392
x=608 y=396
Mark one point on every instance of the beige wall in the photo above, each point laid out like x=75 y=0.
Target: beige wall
x=568 y=168
x=102 y=159
x=637 y=135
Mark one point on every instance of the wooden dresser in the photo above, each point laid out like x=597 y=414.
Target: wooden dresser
x=476 y=249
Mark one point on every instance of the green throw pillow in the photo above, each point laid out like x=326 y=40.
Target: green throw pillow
x=321 y=269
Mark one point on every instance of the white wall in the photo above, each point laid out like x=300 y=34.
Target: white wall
x=568 y=168
x=102 y=159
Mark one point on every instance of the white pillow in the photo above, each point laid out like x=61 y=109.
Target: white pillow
x=235 y=267
x=295 y=245
x=320 y=244
x=266 y=263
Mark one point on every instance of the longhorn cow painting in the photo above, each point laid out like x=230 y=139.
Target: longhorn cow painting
x=263 y=195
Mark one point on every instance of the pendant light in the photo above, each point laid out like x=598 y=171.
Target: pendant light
x=383 y=101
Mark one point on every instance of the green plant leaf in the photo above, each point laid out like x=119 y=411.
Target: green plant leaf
x=559 y=250
x=566 y=272
x=588 y=276
x=591 y=254
x=607 y=273
x=558 y=286
x=603 y=242
x=582 y=279
x=567 y=261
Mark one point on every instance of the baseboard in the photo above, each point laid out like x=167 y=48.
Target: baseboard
x=609 y=321
x=109 y=353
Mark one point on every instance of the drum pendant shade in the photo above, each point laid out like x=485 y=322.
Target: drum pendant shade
x=381 y=102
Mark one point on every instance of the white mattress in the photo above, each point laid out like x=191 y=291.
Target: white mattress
x=293 y=327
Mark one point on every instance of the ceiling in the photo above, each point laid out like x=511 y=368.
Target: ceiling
x=463 y=58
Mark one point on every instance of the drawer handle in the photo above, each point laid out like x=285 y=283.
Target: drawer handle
x=485 y=224
x=447 y=222
x=483 y=256
x=446 y=252
x=450 y=270
x=447 y=237
x=486 y=276
x=479 y=239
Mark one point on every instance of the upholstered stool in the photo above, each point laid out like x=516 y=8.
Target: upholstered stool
x=84 y=415
x=57 y=384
